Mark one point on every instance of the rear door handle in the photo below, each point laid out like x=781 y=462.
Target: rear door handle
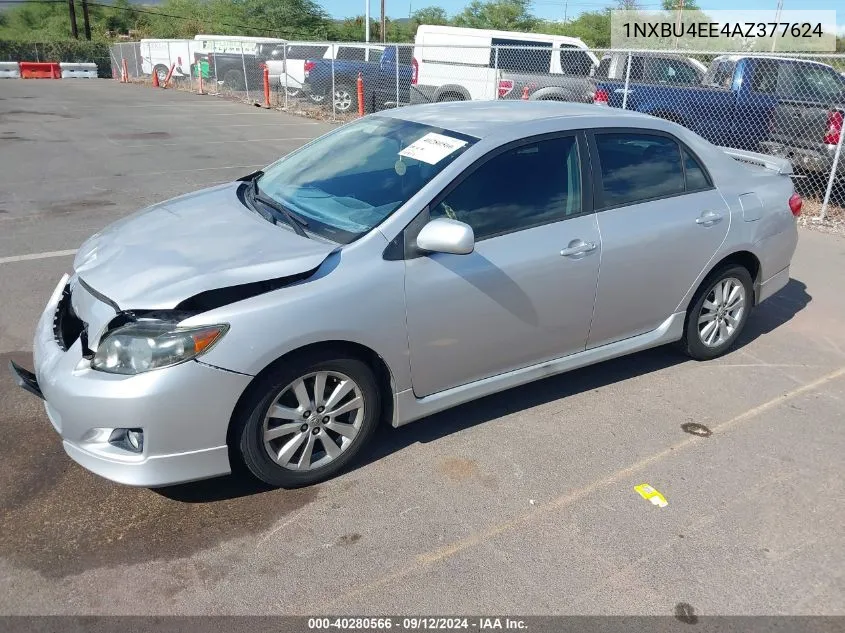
x=578 y=247
x=709 y=218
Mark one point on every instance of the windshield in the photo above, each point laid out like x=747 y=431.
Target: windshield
x=350 y=180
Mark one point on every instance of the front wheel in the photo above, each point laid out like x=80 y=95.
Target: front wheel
x=718 y=313
x=308 y=419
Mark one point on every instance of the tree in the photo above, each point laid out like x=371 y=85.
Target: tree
x=430 y=15
x=628 y=5
x=674 y=5
x=505 y=15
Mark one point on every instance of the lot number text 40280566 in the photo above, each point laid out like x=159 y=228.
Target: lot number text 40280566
x=417 y=623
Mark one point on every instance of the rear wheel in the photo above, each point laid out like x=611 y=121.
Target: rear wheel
x=450 y=96
x=308 y=419
x=718 y=313
x=345 y=99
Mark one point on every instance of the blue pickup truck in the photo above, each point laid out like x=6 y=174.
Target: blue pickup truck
x=386 y=83
x=778 y=105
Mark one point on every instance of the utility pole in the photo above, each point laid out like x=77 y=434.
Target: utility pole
x=72 y=10
x=679 y=21
x=383 y=23
x=565 y=11
x=367 y=20
x=777 y=19
x=85 y=21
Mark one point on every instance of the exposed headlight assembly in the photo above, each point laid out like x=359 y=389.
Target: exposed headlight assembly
x=146 y=345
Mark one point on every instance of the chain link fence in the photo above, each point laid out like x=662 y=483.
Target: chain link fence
x=787 y=105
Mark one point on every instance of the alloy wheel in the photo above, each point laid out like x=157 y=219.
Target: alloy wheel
x=342 y=100
x=313 y=420
x=722 y=312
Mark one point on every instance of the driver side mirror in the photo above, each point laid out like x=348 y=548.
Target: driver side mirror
x=443 y=235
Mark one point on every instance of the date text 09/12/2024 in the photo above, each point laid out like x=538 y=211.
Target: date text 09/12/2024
x=417 y=623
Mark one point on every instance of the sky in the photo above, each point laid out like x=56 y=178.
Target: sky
x=557 y=9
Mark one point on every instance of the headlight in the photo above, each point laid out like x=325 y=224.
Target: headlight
x=147 y=345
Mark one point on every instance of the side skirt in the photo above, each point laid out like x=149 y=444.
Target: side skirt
x=407 y=407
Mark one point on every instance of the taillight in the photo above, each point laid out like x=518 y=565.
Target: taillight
x=309 y=66
x=601 y=97
x=795 y=204
x=834 y=128
x=505 y=87
x=415 y=71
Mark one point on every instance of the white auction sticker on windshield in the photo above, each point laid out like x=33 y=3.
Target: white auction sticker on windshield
x=432 y=148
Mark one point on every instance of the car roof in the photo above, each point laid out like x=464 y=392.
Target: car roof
x=488 y=119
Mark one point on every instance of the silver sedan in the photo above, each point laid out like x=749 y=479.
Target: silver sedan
x=400 y=265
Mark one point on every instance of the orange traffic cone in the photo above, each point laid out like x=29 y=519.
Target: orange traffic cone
x=525 y=93
x=155 y=79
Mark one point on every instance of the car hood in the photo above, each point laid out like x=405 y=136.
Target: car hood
x=202 y=241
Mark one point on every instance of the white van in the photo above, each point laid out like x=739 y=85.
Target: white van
x=158 y=55
x=459 y=64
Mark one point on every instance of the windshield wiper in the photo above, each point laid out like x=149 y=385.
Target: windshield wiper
x=295 y=222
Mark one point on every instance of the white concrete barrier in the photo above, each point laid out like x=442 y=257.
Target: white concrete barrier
x=73 y=70
x=10 y=70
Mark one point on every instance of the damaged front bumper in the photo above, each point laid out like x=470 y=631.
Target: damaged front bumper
x=183 y=411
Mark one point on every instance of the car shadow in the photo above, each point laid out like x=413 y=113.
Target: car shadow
x=769 y=315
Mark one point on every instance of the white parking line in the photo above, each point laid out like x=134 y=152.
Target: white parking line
x=246 y=140
x=129 y=175
x=31 y=256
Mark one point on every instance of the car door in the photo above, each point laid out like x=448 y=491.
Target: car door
x=526 y=293
x=661 y=222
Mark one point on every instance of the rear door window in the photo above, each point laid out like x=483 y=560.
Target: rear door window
x=638 y=167
x=507 y=54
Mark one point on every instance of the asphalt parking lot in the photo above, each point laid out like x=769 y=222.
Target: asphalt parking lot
x=521 y=503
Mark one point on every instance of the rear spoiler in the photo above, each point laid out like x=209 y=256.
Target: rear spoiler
x=773 y=163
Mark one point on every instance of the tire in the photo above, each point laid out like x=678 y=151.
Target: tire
x=161 y=71
x=703 y=341
x=282 y=390
x=345 y=99
x=450 y=96
x=233 y=79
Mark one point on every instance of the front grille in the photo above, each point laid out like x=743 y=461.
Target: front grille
x=67 y=327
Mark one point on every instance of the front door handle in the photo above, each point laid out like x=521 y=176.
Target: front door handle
x=578 y=247
x=708 y=218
